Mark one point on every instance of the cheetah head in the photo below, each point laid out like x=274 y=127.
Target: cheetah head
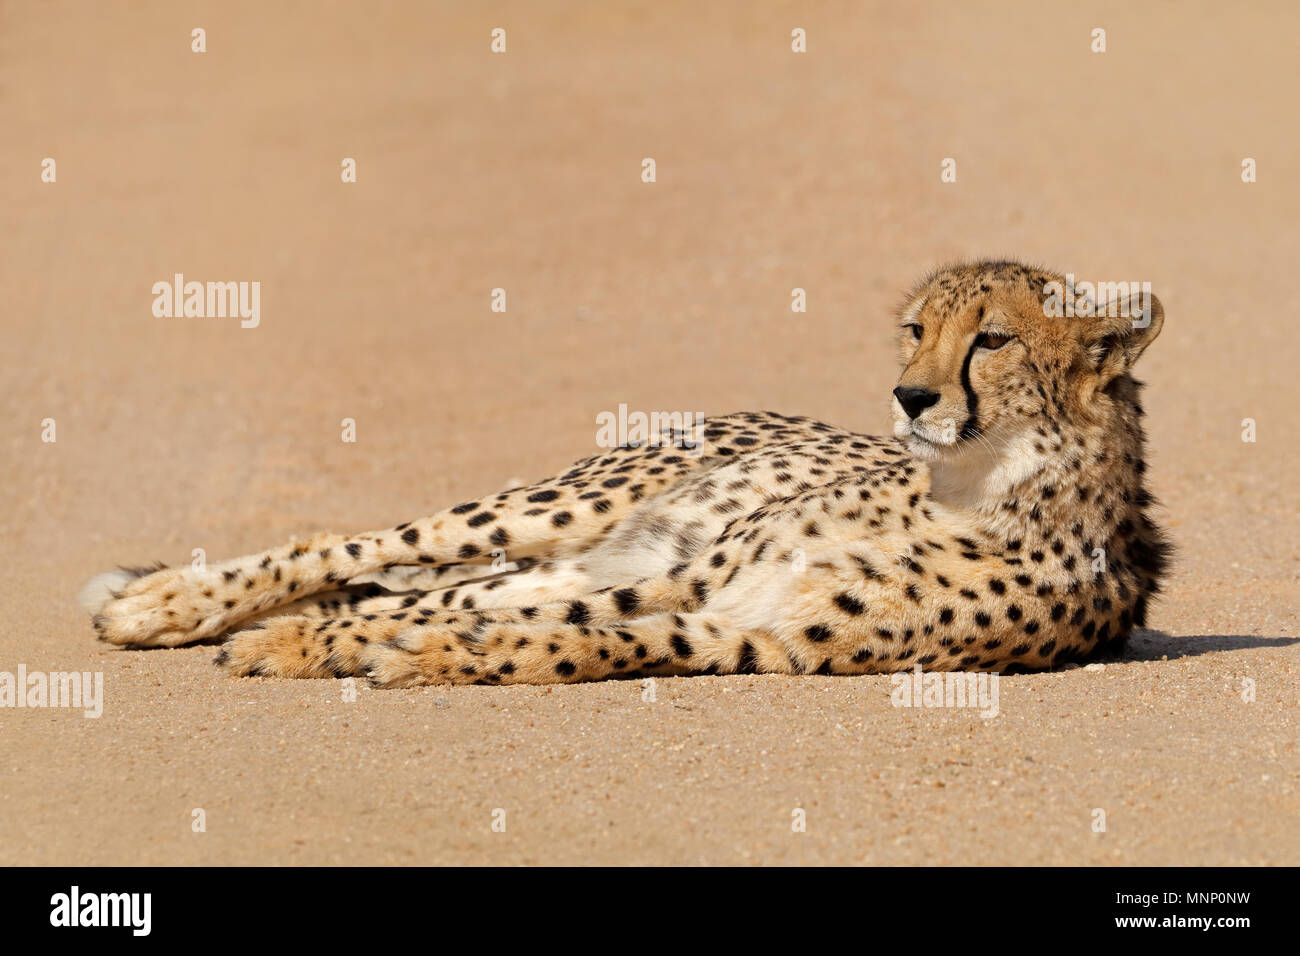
x=994 y=363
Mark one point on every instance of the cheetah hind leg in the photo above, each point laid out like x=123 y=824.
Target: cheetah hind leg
x=301 y=646
x=326 y=639
x=525 y=652
x=501 y=646
x=549 y=519
x=168 y=607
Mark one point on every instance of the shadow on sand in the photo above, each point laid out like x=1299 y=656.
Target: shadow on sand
x=1156 y=645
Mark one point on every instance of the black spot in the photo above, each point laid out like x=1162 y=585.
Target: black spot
x=849 y=604
x=578 y=613
x=565 y=669
x=681 y=645
x=547 y=495
x=818 y=633
x=353 y=549
x=627 y=600
x=411 y=535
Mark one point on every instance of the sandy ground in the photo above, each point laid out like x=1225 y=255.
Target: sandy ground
x=522 y=171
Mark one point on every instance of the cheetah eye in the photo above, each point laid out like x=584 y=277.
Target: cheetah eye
x=991 y=342
x=916 y=331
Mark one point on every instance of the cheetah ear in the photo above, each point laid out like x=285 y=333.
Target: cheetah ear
x=1121 y=332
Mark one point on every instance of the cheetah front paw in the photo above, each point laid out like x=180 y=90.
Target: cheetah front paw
x=156 y=606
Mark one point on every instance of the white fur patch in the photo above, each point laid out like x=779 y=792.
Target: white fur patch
x=985 y=470
x=758 y=608
x=100 y=589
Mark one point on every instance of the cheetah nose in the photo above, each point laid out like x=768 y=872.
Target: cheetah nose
x=915 y=400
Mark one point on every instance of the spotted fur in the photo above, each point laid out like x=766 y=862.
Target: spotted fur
x=1006 y=525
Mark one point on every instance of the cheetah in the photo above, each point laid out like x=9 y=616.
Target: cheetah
x=1005 y=526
